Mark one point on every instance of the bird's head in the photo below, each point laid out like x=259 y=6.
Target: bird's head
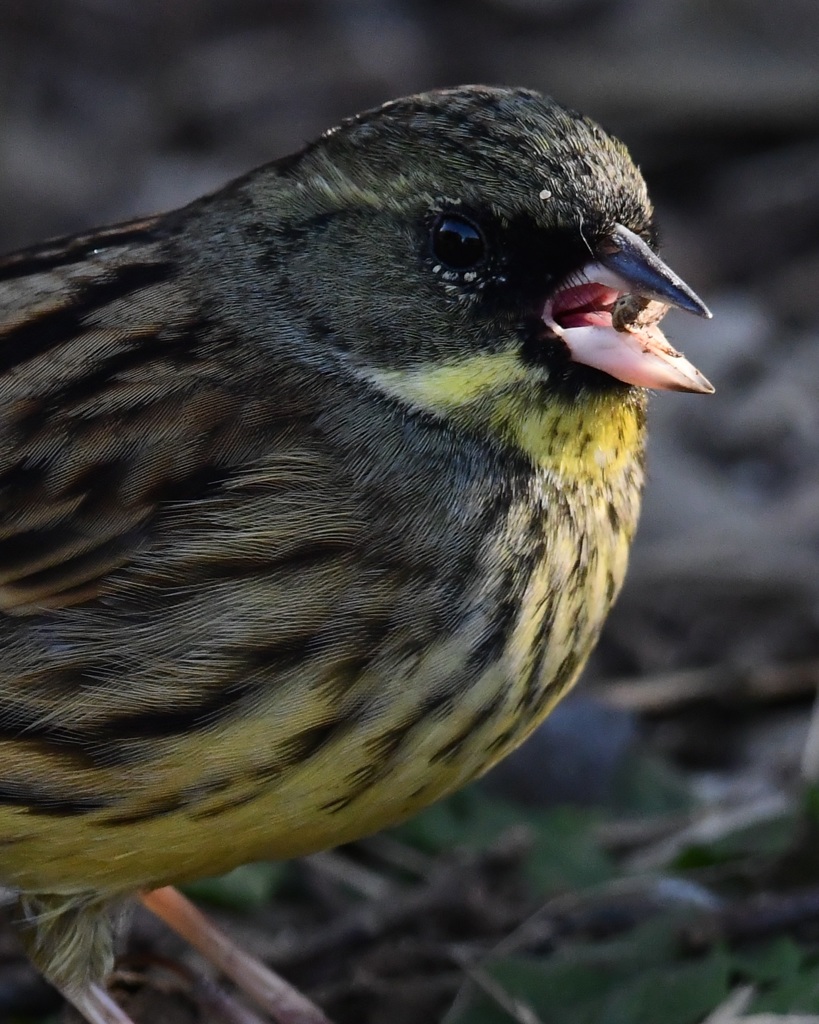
x=462 y=244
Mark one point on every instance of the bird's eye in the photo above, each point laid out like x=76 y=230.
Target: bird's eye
x=457 y=243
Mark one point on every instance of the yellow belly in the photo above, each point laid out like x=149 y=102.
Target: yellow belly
x=214 y=798
x=300 y=770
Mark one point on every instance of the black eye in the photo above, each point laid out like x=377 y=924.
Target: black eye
x=457 y=243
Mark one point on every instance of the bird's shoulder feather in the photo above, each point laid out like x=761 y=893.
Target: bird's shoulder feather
x=121 y=400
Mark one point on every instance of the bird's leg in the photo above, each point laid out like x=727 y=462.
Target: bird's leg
x=70 y=938
x=97 y=1006
x=270 y=992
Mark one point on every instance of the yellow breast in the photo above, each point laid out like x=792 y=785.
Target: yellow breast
x=546 y=576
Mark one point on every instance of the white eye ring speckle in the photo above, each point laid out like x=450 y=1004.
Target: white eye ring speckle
x=544 y=194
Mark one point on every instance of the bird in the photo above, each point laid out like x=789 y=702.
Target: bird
x=316 y=494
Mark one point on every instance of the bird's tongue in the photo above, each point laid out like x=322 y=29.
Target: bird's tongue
x=584 y=305
x=635 y=352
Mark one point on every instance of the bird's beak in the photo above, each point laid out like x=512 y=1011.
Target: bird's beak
x=607 y=314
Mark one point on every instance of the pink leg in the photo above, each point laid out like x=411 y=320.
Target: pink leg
x=263 y=986
x=97 y=1006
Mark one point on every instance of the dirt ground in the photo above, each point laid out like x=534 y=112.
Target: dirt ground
x=709 y=664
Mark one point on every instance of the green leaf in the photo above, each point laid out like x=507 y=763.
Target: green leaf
x=775 y=962
x=245 y=888
x=764 y=840
x=796 y=993
x=566 y=853
x=635 y=979
x=648 y=786
x=469 y=818
x=681 y=993
x=810 y=803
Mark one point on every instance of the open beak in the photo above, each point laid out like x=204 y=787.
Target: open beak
x=607 y=314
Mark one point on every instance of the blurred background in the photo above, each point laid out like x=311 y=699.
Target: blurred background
x=681 y=779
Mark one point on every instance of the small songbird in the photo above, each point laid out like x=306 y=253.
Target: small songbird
x=315 y=496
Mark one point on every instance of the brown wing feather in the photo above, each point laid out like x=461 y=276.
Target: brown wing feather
x=113 y=399
x=178 y=538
